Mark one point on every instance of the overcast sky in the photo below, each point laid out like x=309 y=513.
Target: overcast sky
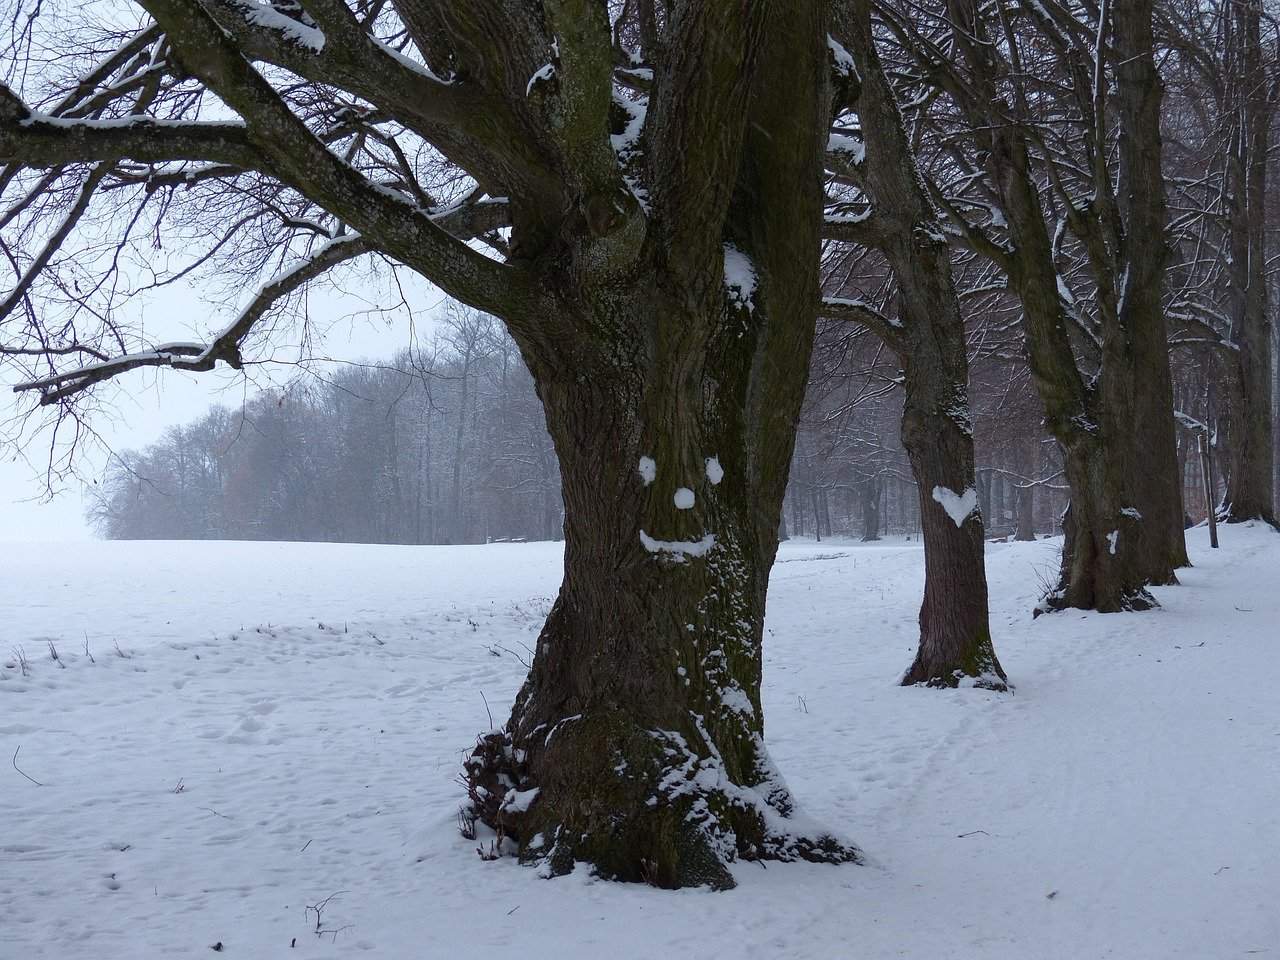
x=143 y=403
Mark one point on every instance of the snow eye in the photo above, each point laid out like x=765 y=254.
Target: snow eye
x=648 y=468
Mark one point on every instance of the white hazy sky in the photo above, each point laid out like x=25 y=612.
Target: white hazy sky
x=143 y=403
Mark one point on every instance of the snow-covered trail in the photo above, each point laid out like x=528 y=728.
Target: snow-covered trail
x=288 y=719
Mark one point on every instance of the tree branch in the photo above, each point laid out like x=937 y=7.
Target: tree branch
x=194 y=356
x=38 y=140
x=299 y=159
x=862 y=313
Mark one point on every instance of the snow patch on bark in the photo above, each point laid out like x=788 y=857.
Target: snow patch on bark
x=636 y=112
x=648 y=468
x=788 y=833
x=559 y=723
x=680 y=549
x=842 y=58
x=302 y=34
x=543 y=73
x=739 y=276
x=519 y=801
x=625 y=146
x=983 y=681
x=957 y=505
x=735 y=699
x=715 y=472
x=1112 y=539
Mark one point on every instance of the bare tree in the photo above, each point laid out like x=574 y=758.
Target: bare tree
x=928 y=336
x=648 y=180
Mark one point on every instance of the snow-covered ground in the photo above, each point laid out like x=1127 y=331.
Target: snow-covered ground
x=282 y=726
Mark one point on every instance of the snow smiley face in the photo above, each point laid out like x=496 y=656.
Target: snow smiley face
x=683 y=498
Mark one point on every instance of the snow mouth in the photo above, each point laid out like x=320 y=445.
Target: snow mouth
x=680 y=549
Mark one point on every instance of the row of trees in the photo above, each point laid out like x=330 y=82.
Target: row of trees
x=664 y=201
x=449 y=445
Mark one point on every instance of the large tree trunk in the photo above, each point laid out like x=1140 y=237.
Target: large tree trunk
x=955 y=638
x=1157 y=483
x=1026 y=528
x=1026 y=456
x=1025 y=453
x=640 y=724
x=636 y=743
x=1250 y=480
x=929 y=338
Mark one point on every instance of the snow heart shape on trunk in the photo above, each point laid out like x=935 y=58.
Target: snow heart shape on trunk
x=957 y=505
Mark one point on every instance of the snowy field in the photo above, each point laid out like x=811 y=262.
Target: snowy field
x=282 y=725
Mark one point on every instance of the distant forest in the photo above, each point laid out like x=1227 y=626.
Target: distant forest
x=439 y=445
x=447 y=444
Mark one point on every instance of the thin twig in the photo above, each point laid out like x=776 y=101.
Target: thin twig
x=508 y=650
x=14 y=761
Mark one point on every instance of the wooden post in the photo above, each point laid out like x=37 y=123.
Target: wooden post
x=1206 y=471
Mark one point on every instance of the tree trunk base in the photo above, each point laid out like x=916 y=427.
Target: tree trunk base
x=1129 y=601
x=981 y=670
x=637 y=805
x=1231 y=515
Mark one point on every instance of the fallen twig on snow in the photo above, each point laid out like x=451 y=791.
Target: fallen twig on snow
x=14 y=761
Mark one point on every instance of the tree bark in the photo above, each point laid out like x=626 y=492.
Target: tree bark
x=1250 y=480
x=1026 y=528
x=636 y=743
x=640 y=723
x=1157 y=483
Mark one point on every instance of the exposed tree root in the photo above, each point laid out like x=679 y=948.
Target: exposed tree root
x=637 y=805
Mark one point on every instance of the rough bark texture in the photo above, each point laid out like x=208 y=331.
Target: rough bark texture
x=1250 y=480
x=928 y=336
x=636 y=743
x=1143 y=259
